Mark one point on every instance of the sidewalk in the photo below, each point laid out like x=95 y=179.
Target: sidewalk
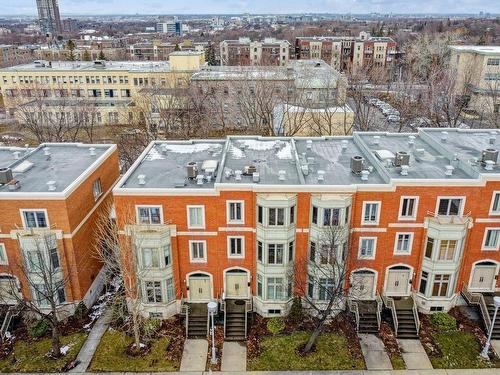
x=414 y=355
x=234 y=356
x=373 y=349
x=90 y=345
x=194 y=356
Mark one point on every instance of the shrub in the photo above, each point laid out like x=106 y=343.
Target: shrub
x=151 y=326
x=444 y=322
x=81 y=311
x=275 y=325
x=39 y=328
x=296 y=314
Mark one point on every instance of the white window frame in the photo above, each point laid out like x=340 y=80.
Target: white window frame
x=23 y=210
x=198 y=260
x=148 y=206
x=228 y=212
x=374 y=247
x=379 y=208
x=97 y=183
x=460 y=211
x=415 y=209
x=162 y=287
x=396 y=240
x=190 y=225
x=489 y=248
x=242 y=239
x=492 y=212
x=3 y=250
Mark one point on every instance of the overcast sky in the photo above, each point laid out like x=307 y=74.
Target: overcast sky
x=28 y=7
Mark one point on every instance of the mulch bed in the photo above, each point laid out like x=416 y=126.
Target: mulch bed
x=174 y=329
x=219 y=342
x=389 y=339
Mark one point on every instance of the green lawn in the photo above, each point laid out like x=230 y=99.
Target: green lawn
x=29 y=356
x=460 y=351
x=278 y=354
x=398 y=363
x=111 y=356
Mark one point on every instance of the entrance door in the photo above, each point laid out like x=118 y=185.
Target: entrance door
x=236 y=284
x=362 y=285
x=397 y=282
x=199 y=288
x=483 y=277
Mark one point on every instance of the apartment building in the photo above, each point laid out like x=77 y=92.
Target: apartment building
x=50 y=198
x=478 y=74
x=225 y=220
x=303 y=84
x=49 y=17
x=157 y=51
x=172 y=27
x=244 y=51
x=13 y=55
x=106 y=87
x=346 y=53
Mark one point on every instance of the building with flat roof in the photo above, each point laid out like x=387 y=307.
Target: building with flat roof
x=244 y=51
x=477 y=72
x=50 y=199
x=234 y=217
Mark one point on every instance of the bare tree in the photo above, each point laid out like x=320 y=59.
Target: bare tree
x=42 y=276
x=320 y=278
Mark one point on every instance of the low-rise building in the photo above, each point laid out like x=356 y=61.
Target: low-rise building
x=226 y=220
x=50 y=199
x=244 y=51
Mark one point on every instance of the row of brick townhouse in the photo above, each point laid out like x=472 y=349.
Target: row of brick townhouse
x=224 y=219
x=50 y=198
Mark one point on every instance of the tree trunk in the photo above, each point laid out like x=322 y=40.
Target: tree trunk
x=136 y=329
x=56 y=342
x=314 y=335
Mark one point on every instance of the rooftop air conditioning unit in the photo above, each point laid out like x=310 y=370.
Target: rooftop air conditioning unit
x=489 y=154
x=250 y=170
x=357 y=163
x=5 y=175
x=402 y=158
x=192 y=170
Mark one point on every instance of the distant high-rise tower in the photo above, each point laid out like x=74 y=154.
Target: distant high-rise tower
x=49 y=17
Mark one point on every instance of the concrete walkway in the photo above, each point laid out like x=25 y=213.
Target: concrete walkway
x=495 y=344
x=414 y=355
x=373 y=349
x=89 y=347
x=234 y=356
x=194 y=355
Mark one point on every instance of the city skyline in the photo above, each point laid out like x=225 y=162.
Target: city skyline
x=103 y=7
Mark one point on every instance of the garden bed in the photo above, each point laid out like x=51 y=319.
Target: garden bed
x=392 y=347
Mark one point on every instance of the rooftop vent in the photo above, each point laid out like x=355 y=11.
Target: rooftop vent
x=192 y=170
x=344 y=142
x=237 y=175
x=310 y=160
x=199 y=179
x=250 y=170
x=404 y=170
x=92 y=151
x=488 y=165
x=449 y=170
x=142 y=179
x=305 y=169
x=493 y=137
x=402 y=158
x=321 y=176
x=364 y=175
x=16 y=154
x=14 y=185
x=5 y=175
x=411 y=140
x=255 y=177
x=51 y=185
x=164 y=149
x=46 y=151
x=228 y=173
x=420 y=151
x=282 y=175
x=309 y=144
x=99 y=64
x=376 y=140
x=357 y=163
x=444 y=136
x=489 y=154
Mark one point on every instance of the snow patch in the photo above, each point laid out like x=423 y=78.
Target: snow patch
x=236 y=152
x=256 y=145
x=285 y=152
x=191 y=148
x=154 y=154
x=65 y=349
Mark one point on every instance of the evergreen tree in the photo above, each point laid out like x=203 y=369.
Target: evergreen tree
x=101 y=55
x=177 y=48
x=482 y=40
x=210 y=55
x=86 y=55
x=71 y=47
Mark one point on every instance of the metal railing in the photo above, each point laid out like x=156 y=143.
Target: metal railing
x=248 y=308
x=478 y=299
x=12 y=311
x=353 y=307
x=379 y=309
x=389 y=303
x=185 y=312
x=415 y=314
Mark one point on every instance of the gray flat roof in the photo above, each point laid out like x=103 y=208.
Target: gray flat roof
x=62 y=163
x=128 y=66
x=434 y=156
x=7 y=154
x=486 y=50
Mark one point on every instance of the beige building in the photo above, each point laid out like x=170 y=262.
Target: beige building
x=11 y=55
x=244 y=51
x=478 y=76
x=105 y=87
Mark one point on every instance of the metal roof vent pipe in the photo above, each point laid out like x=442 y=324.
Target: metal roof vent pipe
x=345 y=142
x=309 y=144
x=199 y=179
x=364 y=175
x=321 y=176
x=449 y=170
x=493 y=138
x=282 y=175
x=164 y=149
x=51 y=185
x=92 y=151
x=310 y=160
x=411 y=140
x=444 y=136
x=256 y=177
x=16 y=155
x=46 y=151
x=488 y=165
x=404 y=170
x=376 y=140
x=237 y=175
x=142 y=179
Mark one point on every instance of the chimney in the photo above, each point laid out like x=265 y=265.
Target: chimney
x=51 y=185
x=142 y=179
